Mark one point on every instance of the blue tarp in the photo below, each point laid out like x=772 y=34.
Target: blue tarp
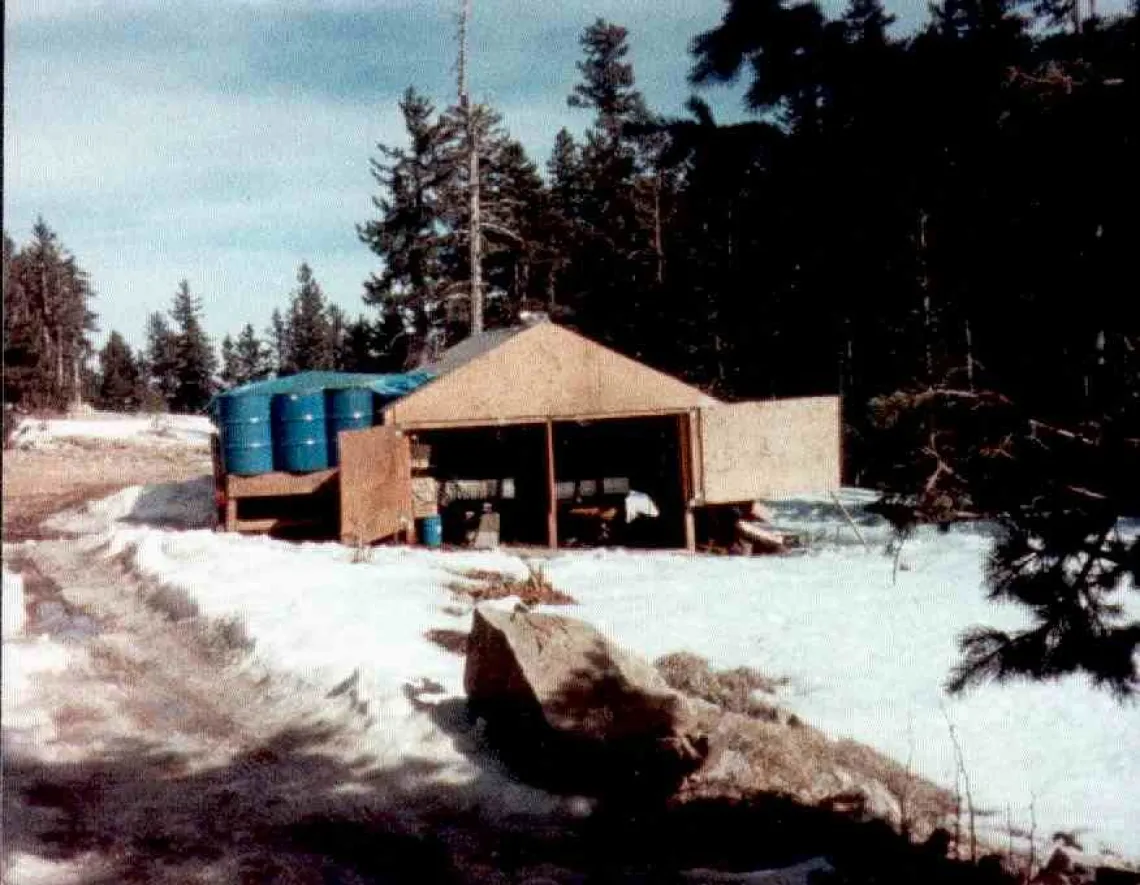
x=389 y=387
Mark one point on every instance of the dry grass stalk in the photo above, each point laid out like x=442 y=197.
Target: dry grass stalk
x=732 y=690
x=480 y=585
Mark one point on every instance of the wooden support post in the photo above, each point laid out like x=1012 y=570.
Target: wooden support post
x=685 y=462
x=551 y=490
x=231 y=514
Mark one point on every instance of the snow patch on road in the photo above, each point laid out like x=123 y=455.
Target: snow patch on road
x=13 y=612
x=28 y=725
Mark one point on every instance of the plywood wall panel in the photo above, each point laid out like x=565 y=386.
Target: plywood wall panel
x=770 y=449
x=375 y=484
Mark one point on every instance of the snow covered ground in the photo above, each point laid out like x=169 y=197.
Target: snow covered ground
x=866 y=650
x=147 y=430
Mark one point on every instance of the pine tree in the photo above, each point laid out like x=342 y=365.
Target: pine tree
x=46 y=322
x=119 y=384
x=512 y=220
x=310 y=335
x=618 y=239
x=423 y=232
x=251 y=357
x=408 y=235
x=278 y=333
x=229 y=373
x=160 y=362
x=194 y=362
x=244 y=360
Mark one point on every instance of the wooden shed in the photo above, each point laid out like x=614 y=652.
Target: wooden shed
x=542 y=424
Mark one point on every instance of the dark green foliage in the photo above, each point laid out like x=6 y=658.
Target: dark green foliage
x=248 y=359
x=611 y=199
x=46 y=322
x=309 y=335
x=278 y=335
x=336 y=338
x=119 y=384
x=160 y=361
x=422 y=229
x=1059 y=494
x=179 y=359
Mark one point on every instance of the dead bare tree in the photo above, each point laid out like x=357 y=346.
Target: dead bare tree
x=475 y=228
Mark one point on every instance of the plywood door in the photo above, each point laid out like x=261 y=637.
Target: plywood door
x=771 y=449
x=375 y=484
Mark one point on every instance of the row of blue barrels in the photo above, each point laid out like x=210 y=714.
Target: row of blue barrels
x=293 y=432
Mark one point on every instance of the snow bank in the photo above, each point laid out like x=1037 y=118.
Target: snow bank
x=143 y=430
x=866 y=650
x=355 y=632
x=867 y=658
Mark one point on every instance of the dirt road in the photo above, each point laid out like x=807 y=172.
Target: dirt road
x=148 y=753
x=40 y=482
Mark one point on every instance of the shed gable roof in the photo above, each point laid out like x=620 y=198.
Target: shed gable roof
x=539 y=372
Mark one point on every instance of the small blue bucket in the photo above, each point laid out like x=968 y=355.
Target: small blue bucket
x=431 y=531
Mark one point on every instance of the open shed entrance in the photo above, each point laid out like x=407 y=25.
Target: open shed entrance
x=605 y=474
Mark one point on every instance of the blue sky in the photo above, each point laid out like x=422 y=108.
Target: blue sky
x=227 y=141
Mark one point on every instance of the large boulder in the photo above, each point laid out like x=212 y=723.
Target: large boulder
x=570 y=710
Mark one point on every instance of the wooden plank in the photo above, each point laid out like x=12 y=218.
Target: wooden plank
x=551 y=491
x=271 y=523
x=375 y=484
x=272 y=485
x=219 y=482
x=520 y=420
x=771 y=449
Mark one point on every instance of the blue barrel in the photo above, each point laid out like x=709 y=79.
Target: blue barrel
x=247 y=440
x=300 y=442
x=431 y=531
x=348 y=409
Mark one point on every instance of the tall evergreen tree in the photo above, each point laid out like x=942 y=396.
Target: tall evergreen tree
x=337 y=335
x=423 y=232
x=278 y=333
x=46 y=321
x=119 y=384
x=194 y=361
x=310 y=344
x=615 y=206
x=229 y=371
x=252 y=359
x=246 y=359
x=409 y=234
x=160 y=360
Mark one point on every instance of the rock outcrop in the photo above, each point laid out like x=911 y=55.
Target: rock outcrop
x=573 y=712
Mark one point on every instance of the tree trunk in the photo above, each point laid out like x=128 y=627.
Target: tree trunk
x=475 y=226
x=658 y=249
x=969 y=354
x=476 y=233
x=924 y=285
